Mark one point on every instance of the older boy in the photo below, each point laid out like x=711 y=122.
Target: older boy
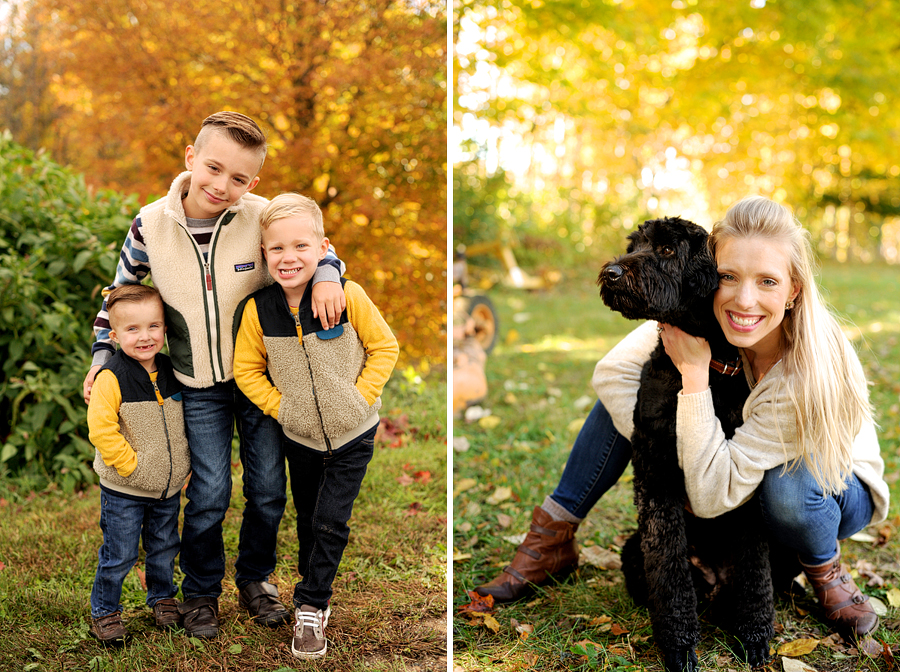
x=202 y=243
x=324 y=392
x=137 y=427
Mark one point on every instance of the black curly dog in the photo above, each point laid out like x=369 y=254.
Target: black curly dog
x=675 y=558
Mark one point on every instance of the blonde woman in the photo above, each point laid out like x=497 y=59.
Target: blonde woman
x=808 y=441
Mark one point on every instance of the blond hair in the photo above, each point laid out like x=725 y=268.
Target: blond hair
x=293 y=205
x=831 y=401
x=132 y=294
x=236 y=127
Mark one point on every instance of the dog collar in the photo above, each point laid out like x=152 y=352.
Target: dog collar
x=731 y=368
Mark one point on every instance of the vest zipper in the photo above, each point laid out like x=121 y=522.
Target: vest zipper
x=312 y=382
x=162 y=411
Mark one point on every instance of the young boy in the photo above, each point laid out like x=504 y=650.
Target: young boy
x=324 y=392
x=202 y=243
x=137 y=426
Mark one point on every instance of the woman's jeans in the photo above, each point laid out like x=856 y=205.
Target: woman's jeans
x=793 y=506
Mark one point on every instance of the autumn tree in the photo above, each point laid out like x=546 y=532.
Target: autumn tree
x=351 y=94
x=625 y=108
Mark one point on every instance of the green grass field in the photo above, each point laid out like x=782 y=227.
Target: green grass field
x=388 y=612
x=539 y=394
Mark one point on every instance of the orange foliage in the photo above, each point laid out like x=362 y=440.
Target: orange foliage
x=352 y=96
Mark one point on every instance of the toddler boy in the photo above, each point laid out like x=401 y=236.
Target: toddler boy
x=323 y=387
x=137 y=427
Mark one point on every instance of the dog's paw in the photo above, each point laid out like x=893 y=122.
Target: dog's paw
x=756 y=654
x=680 y=660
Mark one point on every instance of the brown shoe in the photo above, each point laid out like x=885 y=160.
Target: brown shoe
x=165 y=612
x=260 y=598
x=845 y=606
x=109 y=629
x=548 y=549
x=201 y=617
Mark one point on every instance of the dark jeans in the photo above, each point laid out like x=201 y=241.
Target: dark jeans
x=127 y=523
x=794 y=508
x=324 y=488
x=210 y=414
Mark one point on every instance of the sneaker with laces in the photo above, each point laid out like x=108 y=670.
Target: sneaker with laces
x=309 y=632
x=109 y=629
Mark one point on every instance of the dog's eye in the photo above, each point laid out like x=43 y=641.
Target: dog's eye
x=667 y=250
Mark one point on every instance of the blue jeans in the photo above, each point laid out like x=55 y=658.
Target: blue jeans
x=794 y=509
x=324 y=488
x=126 y=523
x=802 y=518
x=209 y=416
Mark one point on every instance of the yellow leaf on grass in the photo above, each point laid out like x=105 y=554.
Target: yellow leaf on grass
x=500 y=494
x=491 y=623
x=893 y=597
x=575 y=426
x=490 y=422
x=791 y=665
x=799 y=647
x=459 y=557
x=463 y=485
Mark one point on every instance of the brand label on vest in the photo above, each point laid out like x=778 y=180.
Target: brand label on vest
x=249 y=266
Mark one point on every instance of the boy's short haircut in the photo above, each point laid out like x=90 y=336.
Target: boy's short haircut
x=293 y=205
x=132 y=294
x=238 y=127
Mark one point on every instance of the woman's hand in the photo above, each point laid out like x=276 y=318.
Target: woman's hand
x=690 y=355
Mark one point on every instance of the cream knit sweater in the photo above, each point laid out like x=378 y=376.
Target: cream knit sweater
x=721 y=474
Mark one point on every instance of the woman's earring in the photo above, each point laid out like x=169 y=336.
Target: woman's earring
x=789 y=305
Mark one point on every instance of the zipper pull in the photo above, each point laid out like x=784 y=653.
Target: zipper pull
x=159 y=398
x=208 y=277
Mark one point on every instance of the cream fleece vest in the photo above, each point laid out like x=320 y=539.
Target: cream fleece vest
x=202 y=298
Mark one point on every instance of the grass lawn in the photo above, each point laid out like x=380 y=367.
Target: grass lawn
x=539 y=394
x=389 y=609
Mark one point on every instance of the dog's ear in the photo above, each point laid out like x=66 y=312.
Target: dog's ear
x=701 y=278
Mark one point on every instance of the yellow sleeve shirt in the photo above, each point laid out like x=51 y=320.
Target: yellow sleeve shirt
x=377 y=339
x=103 y=424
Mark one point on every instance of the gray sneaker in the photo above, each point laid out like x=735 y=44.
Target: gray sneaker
x=309 y=632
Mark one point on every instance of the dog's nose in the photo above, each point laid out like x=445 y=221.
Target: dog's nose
x=613 y=272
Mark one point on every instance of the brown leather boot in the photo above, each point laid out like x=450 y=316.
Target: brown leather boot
x=548 y=549
x=845 y=606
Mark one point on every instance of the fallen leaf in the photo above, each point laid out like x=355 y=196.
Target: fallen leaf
x=481 y=604
x=504 y=520
x=235 y=648
x=490 y=422
x=791 y=665
x=500 y=494
x=893 y=596
x=463 y=485
x=600 y=557
x=142 y=576
x=491 y=623
x=879 y=606
x=889 y=659
x=599 y=620
x=515 y=539
x=618 y=630
x=405 y=479
x=413 y=509
x=2 y=566
x=864 y=538
x=460 y=444
x=619 y=651
x=869 y=646
x=867 y=569
x=459 y=557
x=422 y=477
x=798 y=647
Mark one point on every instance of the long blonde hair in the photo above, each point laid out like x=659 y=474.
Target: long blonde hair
x=831 y=401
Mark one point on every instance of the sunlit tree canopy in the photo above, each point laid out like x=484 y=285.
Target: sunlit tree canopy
x=605 y=113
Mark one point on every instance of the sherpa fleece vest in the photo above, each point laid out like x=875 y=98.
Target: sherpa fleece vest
x=202 y=297
x=154 y=431
x=316 y=374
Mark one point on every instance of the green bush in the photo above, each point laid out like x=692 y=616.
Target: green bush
x=59 y=245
